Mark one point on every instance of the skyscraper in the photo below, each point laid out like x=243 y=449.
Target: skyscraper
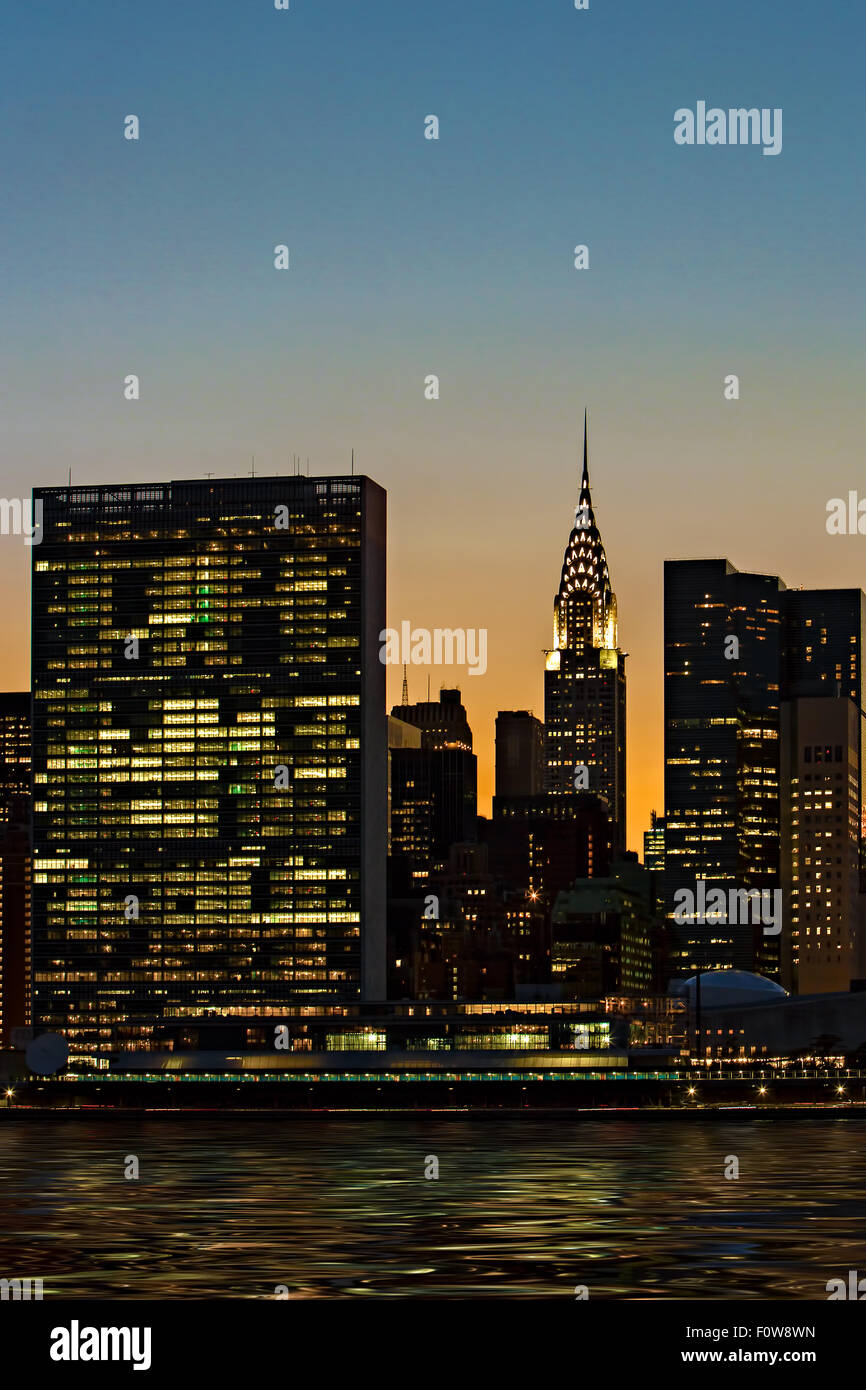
x=433 y=799
x=737 y=647
x=824 y=641
x=654 y=844
x=723 y=668
x=15 y=936
x=602 y=934
x=209 y=753
x=442 y=722
x=823 y=948
x=15 y=864
x=14 y=750
x=654 y=860
x=584 y=680
x=519 y=753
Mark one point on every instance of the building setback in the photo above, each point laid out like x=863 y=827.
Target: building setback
x=209 y=753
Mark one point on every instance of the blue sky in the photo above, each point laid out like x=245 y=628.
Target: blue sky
x=452 y=257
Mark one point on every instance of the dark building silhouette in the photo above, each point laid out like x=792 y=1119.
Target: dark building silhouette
x=654 y=845
x=442 y=722
x=824 y=641
x=541 y=844
x=737 y=647
x=15 y=941
x=433 y=805
x=519 y=753
x=14 y=749
x=584 y=680
x=485 y=941
x=15 y=864
x=209 y=753
x=654 y=859
x=823 y=944
x=602 y=933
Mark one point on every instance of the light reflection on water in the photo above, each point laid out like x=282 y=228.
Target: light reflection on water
x=230 y=1207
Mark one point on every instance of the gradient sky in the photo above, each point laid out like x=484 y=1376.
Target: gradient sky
x=454 y=257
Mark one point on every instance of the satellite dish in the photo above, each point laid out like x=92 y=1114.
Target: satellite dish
x=47 y=1054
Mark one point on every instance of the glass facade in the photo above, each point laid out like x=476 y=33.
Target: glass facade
x=208 y=752
x=737 y=647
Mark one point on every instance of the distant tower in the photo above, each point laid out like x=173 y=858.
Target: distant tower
x=405 y=699
x=519 y=754
x=654 y=844
x=584 y=681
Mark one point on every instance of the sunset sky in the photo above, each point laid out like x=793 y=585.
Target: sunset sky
x=454 y=257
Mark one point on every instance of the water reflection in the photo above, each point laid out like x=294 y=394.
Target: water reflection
x=524 y=1206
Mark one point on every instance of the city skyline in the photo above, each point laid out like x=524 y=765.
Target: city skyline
x=455 y=257
x=368 y=930
x=497 y=690
x=209 y=813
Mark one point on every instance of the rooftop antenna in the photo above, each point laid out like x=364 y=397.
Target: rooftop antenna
x=253 y=469
x=428 y=690
x=353 y=474
x=405 y=699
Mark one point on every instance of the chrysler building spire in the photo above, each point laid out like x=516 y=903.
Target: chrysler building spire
x=584 y=479
x=585 y=572
x=584 y=682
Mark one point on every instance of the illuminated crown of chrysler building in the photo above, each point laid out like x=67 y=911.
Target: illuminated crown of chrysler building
x=585 y=575
x=584 y=683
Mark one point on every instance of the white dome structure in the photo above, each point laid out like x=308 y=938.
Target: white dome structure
x=722 y=988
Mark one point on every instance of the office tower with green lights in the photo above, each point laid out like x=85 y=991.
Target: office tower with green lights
x=209 y=755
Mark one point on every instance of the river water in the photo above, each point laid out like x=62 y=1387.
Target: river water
x=232 y=1207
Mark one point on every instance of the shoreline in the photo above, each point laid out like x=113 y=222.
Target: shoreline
x=788 y=1110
